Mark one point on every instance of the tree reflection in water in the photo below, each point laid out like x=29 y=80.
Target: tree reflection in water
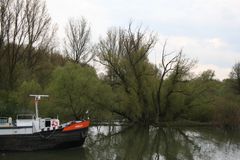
x=143 y=143
x=146 y=143
x=151 y=143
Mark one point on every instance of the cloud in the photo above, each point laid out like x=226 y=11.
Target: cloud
x=211 y=53
x=207 y=30
x=220 y=72
x=96 y=15
x=206 y=50
x=217 y=43
x=215 y=18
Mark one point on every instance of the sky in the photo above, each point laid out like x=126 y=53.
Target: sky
x=206 y=30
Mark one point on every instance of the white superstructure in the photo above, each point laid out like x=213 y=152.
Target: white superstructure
x=28 y=123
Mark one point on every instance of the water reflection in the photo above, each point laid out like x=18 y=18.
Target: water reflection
x=146 y=143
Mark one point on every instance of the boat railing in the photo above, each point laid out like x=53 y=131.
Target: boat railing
x=25 y=116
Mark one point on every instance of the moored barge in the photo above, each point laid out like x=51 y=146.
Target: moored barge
x=31 y=132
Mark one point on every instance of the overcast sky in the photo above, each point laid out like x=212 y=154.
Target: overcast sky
x=207 y=30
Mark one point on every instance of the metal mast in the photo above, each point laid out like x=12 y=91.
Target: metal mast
x=37 y=98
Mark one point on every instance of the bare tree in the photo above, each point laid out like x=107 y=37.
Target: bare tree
x=25 y=32
x=15 y=38
x=4 y=19
x=176 y=66
x=39 y=30
x=77 y=41
x=167 y=66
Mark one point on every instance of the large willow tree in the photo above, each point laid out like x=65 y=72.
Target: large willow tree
x=125 y=52
x=146 y=92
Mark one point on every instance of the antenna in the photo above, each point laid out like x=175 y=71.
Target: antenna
x=38 y=98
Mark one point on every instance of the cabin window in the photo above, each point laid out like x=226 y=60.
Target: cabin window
x=47 y=123
x=25 y=117
x=3 y=120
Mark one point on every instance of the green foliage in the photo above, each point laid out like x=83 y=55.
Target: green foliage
x=77 y=89
x=7 y=104
x=234 y=81
x=23 y=92
x=227 y=111
x=132 y=87
x=202 y=97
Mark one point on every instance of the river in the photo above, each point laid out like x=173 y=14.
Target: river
x=143 y=143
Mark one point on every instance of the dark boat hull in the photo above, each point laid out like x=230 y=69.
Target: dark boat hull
x=44 y=140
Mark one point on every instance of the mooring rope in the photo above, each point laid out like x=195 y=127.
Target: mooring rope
x=47 y=137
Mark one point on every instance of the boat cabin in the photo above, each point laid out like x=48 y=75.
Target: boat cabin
x=25 y=120
x=27 y=124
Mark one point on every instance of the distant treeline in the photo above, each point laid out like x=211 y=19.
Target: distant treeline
x=130 y=88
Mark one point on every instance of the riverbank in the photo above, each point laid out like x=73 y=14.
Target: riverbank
x=182 y=123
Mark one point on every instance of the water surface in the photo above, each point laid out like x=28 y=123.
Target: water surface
x=141 y=143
